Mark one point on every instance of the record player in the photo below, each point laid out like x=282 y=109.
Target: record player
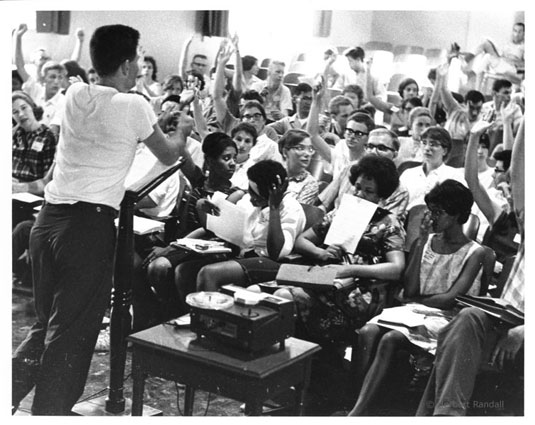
x=248 y=320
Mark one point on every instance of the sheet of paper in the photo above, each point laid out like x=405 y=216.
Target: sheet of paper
x=26 y=197
x=143 y=226
x=350 y=222
x=230 y=224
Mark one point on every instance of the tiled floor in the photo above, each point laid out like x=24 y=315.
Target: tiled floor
x=330 y=388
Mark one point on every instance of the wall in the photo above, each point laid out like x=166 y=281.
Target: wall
x=164 y=32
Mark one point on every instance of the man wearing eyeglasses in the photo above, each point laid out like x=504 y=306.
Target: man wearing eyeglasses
x=303 y=101
x=382 y=142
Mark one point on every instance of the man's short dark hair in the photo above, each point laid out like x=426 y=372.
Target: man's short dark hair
x=505 y=157
x=355 y=53
x=110 y=46
x=362 y=118
x=247 y=62
x=198 y=55
x=302 y=88
x=500 y=84
x=520 y=24
x=253 y=95
x=474 y=96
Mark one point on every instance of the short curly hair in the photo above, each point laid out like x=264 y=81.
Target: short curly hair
x=379 y=168
x=453 y=197
x=37 y=110
x=264 y=174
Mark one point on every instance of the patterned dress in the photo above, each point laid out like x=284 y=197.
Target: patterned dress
x=331 y=317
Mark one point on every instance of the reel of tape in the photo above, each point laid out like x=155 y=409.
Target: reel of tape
x=209 y=300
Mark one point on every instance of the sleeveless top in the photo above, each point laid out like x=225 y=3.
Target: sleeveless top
x=438 y=272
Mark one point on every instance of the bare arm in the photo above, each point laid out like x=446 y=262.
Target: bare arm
x=220 y=105
x=461 y=285
x=313 y=124
x=19 y=57
x=389 y=270
x=411 y=276
x=237 y=78
x=198 y=116
x=508 y=114
x=372 y=98
x=37 y=187
x=183 y=58
x=77 y=52
x=489 y=209
x=449 y=102
x=517 y=174
x=275 y=236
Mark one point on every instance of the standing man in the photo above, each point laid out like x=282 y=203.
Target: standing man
x=73 y=240
x=277 y=97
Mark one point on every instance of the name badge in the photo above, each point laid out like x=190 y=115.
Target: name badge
x=517 y=238
x=37 y=146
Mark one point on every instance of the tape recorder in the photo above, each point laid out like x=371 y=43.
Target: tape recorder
x=241 y=318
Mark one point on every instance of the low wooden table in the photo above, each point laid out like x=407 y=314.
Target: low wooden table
x=177 y=354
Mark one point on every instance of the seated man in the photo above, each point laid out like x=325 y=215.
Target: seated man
x=303 y=100
x=278 y=98
x=340 y=107
x=381 y=142
x=509 y=62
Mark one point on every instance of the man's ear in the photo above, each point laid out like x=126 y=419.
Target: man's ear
x=394 y=156
x=125 y=67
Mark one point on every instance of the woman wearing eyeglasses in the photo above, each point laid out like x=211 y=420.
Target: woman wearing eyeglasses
x=443 y=263
x=436 y=145
x=330 y=318
x=297 y=152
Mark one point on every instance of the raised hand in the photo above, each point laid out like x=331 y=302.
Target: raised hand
x=442 y=70
x=80 y=34
x=21 y=29
x=225 y=52
x=480 y=127
x=508 y=112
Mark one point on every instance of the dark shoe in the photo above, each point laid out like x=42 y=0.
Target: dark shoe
x=24 y=373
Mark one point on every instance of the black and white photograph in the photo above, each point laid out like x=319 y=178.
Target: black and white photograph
x=280 y=209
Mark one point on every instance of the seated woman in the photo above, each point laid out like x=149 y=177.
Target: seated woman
x=275 y=220
x=379 y=256
x=244 y=135
x=442 y=265
x=220 y=158
x=297 y=151
x=33 y=149
x=436 y=145
x=420 y=119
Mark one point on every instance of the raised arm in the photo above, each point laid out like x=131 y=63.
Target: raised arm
x=237 y=78
x=77 y=52
x=313 y=123
x=449 y=102
x=220 y=105
x=372 y=98
x=490 y=209
x=517 y=174
x=19 y=57
x=182 y=65
x=508 y=116
x=198 y=116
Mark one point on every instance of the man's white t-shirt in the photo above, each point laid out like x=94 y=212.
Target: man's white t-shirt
x=99 y=134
